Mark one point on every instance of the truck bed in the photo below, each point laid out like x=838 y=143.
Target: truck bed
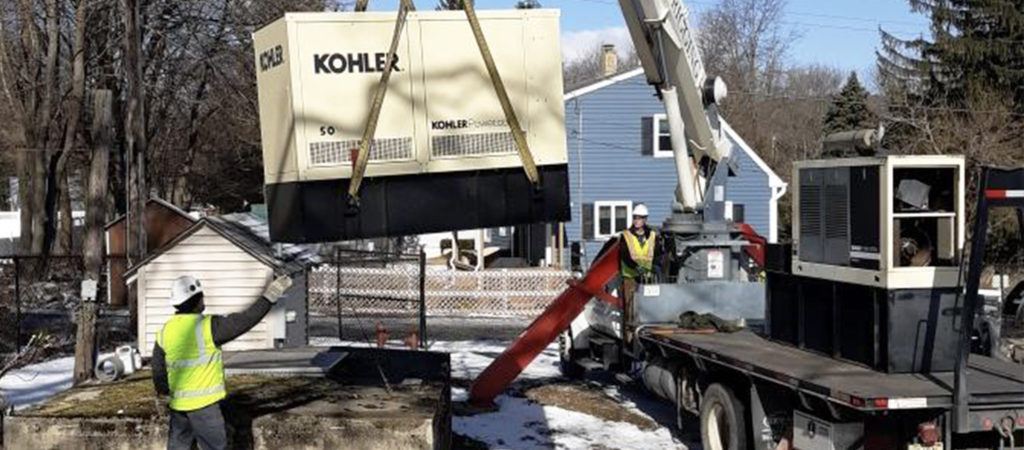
x=991 y=383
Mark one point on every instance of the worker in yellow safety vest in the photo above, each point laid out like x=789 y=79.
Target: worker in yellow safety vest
x=187 y=363
x=639 y=261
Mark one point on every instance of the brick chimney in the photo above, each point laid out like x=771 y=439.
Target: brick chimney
x=609 y=60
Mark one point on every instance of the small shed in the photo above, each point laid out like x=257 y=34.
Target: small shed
x=233 y=257
x=164 y=222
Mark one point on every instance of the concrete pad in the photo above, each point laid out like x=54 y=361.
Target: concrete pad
x=264 y=411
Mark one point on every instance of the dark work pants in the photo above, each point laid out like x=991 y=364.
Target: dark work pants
x=205 y=425
x=628 y=294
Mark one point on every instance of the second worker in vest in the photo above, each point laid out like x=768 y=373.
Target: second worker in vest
x=187 y=362
x=639 y=261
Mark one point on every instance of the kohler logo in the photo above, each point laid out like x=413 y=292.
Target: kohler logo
x=449 y=124
x=352 y=62
x=271 y=58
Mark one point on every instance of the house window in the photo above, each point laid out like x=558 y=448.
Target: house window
x=612 y=218
x=662 y=141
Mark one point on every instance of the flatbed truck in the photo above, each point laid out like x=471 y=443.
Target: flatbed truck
x=753 y=392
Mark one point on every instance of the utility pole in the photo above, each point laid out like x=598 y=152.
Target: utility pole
x=135 y=142
x=95 y=216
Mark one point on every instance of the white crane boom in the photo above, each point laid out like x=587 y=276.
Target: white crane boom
x=666 y=45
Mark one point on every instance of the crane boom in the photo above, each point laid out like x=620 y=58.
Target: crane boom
x=666 y=45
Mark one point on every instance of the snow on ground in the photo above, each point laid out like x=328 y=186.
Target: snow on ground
x=37 y=382
x=524 y=425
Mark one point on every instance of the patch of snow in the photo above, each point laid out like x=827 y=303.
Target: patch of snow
x=523 y=425
x=37 y=382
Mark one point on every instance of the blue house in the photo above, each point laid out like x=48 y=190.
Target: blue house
x=620 y=155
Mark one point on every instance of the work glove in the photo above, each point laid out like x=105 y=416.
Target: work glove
x=275 y=290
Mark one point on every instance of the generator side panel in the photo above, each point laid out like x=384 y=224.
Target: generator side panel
x=865 y=218
x=273 y=53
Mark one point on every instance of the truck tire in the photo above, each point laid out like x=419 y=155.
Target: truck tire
x=723 y=419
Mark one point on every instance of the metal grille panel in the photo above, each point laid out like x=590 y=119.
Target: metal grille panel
x=836 y=225
x=472 y=144
x=330 y=153
x=810 y=210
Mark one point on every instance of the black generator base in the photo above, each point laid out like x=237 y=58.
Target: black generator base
x=317 y=211
x=893 y=331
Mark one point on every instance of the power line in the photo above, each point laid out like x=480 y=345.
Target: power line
x=833 y=26
x=795 y=13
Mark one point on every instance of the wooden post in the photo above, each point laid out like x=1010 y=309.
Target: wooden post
x=423 y=298
x=17 y=303
x=135 y=146
x=95 y=216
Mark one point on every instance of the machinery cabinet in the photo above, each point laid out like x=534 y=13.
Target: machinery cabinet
x=894 y=222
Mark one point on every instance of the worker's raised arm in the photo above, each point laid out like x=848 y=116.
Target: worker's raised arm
x=228 y=327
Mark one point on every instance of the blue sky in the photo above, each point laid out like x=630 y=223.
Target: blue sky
x=840 y=33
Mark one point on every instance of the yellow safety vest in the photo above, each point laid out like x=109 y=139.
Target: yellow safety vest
x=641 y=253
x=195 y=367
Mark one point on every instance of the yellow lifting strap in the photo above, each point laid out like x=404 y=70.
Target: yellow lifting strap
x=363 y=157
x=499 y=88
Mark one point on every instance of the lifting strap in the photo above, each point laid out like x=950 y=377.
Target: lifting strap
x=499 y=88
x=363 y=155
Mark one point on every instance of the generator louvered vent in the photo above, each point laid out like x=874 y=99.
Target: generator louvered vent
x=329 y=153
x=810 y=210
x=475 y=144
x=837 y=224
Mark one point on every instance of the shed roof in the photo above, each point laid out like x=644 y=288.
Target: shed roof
x=158 y=202
x=252 y=235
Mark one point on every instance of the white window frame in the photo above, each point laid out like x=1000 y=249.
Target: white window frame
x=656 y=150
x=628 y=204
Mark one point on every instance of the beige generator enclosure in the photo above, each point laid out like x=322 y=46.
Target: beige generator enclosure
x=443 y=156
x=895 y=222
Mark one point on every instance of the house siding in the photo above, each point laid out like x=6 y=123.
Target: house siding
x=606 y=163
x=232 y=279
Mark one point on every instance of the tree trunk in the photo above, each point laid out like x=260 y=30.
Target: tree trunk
x=135 y=144
x=95 y=216
x=73 y=118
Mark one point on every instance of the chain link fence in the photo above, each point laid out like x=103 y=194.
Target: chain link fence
x=376 y=289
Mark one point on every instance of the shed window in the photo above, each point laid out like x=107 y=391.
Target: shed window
x=612 y=218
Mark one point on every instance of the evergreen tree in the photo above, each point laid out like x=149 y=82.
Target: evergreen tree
x=975 y=46
x=448 y=5
x=849 y=109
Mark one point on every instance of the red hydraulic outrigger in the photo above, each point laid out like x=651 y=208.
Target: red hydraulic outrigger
x=536 y=337
x=569 y=304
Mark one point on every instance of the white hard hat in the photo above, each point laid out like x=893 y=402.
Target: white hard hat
x=640 y=210
x=183 y=288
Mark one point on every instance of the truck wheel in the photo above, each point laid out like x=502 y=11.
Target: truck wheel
x=723 y=419
x=566 y=365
